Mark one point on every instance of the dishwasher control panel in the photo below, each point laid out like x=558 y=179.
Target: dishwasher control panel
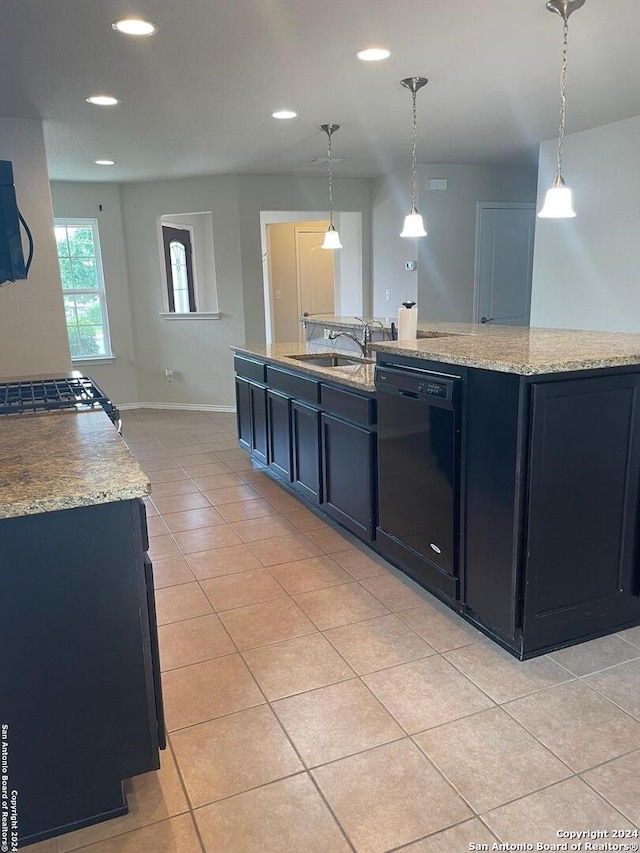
x=417 y=384
x=433 y=389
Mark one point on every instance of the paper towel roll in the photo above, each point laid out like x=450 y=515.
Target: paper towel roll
x=407 y=321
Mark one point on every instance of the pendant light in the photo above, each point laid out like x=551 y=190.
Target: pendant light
x=558 y=203
x=413 y=224
x=331 y=238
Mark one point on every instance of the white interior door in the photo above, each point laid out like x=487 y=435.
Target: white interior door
x=316 y=273
x=504 y=263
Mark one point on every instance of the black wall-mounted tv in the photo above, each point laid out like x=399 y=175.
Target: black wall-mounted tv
x=12 y=263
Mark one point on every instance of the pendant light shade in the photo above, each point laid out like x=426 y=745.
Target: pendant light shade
x=558 y=203
x=331 y=238
x=413 y=224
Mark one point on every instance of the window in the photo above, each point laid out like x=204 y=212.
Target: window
x=179 y=269
x=83 y=288
x=187 y=277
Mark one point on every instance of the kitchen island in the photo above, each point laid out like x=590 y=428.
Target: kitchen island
x=81 y=702
x=544 y=469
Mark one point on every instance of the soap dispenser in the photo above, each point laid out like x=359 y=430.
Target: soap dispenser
x=407 y=321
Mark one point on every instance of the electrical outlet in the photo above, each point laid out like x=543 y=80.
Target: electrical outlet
x=169 y=374
x=387 y=295
x=327 y=332
x=278 y=294
x=410 y=266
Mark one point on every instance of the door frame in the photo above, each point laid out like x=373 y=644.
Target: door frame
x=350 y=264
x=491 y=205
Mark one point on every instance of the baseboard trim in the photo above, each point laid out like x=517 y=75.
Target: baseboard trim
x=185 y=407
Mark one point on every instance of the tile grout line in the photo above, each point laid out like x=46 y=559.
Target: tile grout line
x=496 y=704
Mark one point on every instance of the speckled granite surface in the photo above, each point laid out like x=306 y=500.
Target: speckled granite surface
x=60 y=460
x=507 y=349
x=358 y=376
x=517 y=349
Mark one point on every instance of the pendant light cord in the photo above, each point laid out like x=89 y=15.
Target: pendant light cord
x=413 y=152
x=330 y=181
x=563 y=95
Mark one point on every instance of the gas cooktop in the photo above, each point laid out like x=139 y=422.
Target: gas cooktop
x=24 y=396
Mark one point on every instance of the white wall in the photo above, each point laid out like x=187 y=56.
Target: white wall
x=443 y=283
x=196 y=349
x=390 y=201
x=71 y=200
x=586 y=273
x=33 y=333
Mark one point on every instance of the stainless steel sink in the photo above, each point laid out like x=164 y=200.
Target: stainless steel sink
x=330 y=359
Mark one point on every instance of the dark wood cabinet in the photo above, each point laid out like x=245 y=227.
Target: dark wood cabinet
x=582 y=504
x=279 y=430
x=81 y=691
x=305 y=437
x=258 y=408
x=251 y=418
x=243 y=413
x=349 y=465
x=552 y=475
x=319 y=437
x=548 y=532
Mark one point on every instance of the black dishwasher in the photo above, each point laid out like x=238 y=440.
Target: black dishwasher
x=419 y=428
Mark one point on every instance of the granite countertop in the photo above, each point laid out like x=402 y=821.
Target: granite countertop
x=358 y=375
x=506 y=349
x=518 y=349
x=59 y=460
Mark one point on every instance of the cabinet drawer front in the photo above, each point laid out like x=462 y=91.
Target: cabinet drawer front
x=352 y=407
x=295 y=386
x=250 y=369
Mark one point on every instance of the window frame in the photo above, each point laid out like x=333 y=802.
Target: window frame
x=99 y=291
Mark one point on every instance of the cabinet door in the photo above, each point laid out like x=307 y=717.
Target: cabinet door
x=258 y=397
x=348 y=466
x=279 y=426
x=305 y=423
x=583 y=482
x=243 y=413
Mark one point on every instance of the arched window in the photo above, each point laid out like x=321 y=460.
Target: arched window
x=179 y=267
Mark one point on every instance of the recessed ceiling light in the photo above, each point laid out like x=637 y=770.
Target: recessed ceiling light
x=135 y=27
x=284 y=114
x=103 y=100
x=105 y=162
x=373 y=54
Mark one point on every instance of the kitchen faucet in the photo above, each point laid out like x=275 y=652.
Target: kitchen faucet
x=365 y=343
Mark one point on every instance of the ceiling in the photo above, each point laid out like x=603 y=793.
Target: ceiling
x=197 y=96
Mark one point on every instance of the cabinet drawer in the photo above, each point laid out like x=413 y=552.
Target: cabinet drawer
x=293 y=385
x=250 y=369
x=351 y=407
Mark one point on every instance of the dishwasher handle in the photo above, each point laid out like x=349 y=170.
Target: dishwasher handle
x=430 y=388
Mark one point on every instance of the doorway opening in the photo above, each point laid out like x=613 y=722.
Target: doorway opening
x=300 y=277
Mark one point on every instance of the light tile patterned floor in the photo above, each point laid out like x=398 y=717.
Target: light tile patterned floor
x=320 y=702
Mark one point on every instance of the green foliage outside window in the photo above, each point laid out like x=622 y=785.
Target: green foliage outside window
x=81 y=290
